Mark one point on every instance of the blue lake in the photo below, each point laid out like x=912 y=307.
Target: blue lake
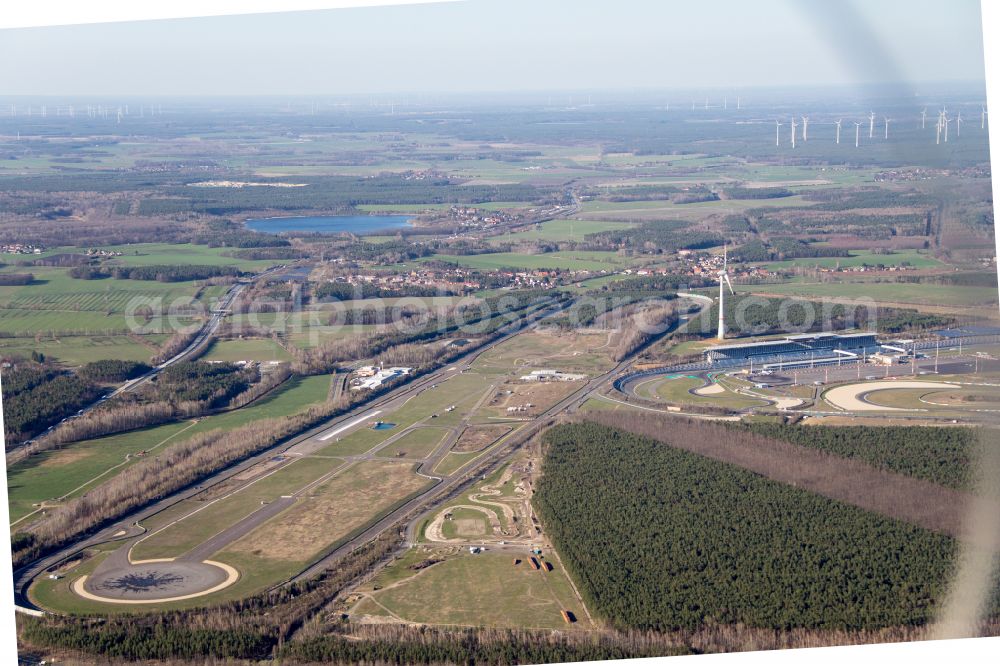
x=383 y=426
x=329 y=224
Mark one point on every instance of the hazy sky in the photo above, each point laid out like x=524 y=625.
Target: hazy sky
x=494 y=45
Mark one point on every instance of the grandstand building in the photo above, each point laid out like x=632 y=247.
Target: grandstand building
x=813 y=346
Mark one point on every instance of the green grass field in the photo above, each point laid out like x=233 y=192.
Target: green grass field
x=416 y=444
x=561 y=230
x=453 y=462
x=884 y=292
x=908 y=257
x=666 y=210
x=144 y=254
x=57 y=302
x=677 y=391
x=246 y=350
x=62 y=472
x=74 y=351
x=479 y=590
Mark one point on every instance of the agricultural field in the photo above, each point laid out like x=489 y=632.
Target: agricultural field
x=912 y=258
x=57 y=303
x=155 y=254
x=560 y=230
x=231 y=351
x=634 y=211
x=882 y=292
x=77 y=350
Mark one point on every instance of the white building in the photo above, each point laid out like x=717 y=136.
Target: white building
x=380 y=377
x=551 y=376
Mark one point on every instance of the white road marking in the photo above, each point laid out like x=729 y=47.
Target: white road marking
x=353 y=423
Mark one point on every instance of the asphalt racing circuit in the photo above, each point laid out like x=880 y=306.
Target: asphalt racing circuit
x=849 y=382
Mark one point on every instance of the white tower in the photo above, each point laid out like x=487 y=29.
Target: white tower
x=887 y=128
x=723 y=283
x=805 y=128
x=857 y=134
x=871 y=125
x=794 y=126
x=777 y=132
x=837 y=123
x=923 y=119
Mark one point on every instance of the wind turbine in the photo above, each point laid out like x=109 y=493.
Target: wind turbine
x=857 y=134
x=805 y=128
x=794 y=126
x=923 y=119
x=777 y=132
x=871 y=125
x=983 y=122
x=946 y=120
x=937 y=141
x=837 y=123
x=958 y=125
x=724 y=282
x=887 y=128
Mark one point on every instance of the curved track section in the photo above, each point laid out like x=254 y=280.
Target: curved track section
x=119 y=581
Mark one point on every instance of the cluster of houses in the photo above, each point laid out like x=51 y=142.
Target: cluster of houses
x=20 y=248
x=868 y=268
x=477 y=218
x=100 y=252
x=709 y=265
x=445 y=281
